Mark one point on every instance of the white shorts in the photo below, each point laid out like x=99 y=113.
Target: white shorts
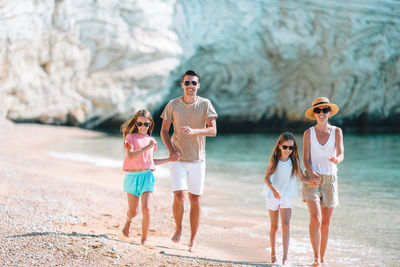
x=276 y=204
x=188 y=176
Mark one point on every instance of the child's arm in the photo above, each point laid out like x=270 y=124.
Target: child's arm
x=268 y=174
x=303 y=178
x=131 y=154
x=161 y=161
x=165 y=160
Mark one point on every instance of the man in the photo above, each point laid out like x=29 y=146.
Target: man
x=193 y=118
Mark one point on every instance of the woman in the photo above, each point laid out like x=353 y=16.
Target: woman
x=322 y=151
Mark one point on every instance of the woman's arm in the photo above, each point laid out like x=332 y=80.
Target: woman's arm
x=314 y=177
x=339 y=147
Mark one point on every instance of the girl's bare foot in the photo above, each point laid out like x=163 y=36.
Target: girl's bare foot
x=125 y=230
x=176 y=237
x=316 y=262
x=191 y=246
x=143 y=241
x=273 y=258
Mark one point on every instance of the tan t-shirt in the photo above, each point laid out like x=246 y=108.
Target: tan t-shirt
x=192 y=148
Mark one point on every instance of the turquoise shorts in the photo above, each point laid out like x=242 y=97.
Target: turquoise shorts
x=136 y=183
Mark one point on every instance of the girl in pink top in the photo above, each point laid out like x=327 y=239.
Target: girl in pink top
x=139 y=165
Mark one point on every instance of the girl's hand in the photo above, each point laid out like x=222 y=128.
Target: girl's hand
x=276 y=193
x=334 y=160
x=151 y=143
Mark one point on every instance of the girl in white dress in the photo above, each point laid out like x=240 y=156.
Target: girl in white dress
x=280 y=187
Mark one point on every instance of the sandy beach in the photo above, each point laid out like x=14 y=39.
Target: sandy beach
x=62 y=212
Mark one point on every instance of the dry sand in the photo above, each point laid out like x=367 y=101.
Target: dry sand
x=61 y=212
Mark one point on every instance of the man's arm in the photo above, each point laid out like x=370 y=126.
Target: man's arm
x=210 y=130
x=173 y=154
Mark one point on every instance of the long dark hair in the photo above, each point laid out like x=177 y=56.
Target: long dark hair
x=130 y=125
x=276 y=155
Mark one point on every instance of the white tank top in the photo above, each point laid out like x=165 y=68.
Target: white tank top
x=321 y=153
x=283 y=180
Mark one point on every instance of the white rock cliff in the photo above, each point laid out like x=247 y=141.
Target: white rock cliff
x=87 y=62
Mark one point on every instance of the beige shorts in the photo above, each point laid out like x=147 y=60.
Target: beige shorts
x=326 y=192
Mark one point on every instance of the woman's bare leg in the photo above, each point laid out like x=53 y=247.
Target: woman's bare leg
x=326 y=219
x=314 y=209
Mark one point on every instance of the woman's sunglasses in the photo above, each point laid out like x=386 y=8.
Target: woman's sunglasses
x=146 y=124
x=286 y=147
x=324 y=110
x=186 y=83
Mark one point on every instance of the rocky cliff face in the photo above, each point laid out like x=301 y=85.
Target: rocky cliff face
x=86 y=62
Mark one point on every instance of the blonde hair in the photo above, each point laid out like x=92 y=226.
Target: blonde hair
x=130 y=125
x=294 y=156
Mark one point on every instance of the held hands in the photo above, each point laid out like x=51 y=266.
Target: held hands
x=314 y=179
x=174 y=156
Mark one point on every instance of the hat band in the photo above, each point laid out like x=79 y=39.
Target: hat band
x=319 y=103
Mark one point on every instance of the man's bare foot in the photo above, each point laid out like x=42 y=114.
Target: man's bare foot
x=316 y=262
x=191 y=246
x=284 y=261
x=143 y=241
x=125 y=230
x=273 y=258
x=176 y=237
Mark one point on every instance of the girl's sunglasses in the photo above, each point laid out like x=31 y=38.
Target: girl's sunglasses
x=186 y=83
x=286 y=147
x=324 y=110
x=146 y=124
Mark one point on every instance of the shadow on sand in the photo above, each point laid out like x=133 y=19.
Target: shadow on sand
x=242 y=263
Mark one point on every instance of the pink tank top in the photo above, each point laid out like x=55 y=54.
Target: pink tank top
x=143 y=161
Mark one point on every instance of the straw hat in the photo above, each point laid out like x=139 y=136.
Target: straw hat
x=321 y=101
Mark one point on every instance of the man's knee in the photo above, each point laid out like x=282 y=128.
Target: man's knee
x=179 y=197
x=194 y=199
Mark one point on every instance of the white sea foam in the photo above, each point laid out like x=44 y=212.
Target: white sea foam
x=98 y=161
x=160 y=172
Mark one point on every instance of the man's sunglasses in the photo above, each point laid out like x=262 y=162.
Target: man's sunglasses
x=286 y=147
x=146 y=124
x=324 y=110
x=186 y=83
